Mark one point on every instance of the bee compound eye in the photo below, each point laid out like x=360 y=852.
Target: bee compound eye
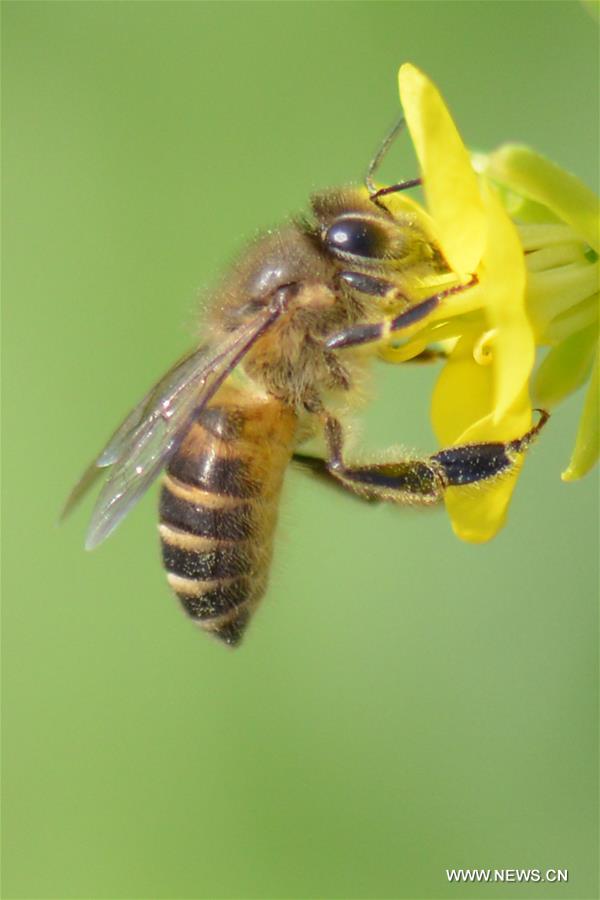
x=359 y=237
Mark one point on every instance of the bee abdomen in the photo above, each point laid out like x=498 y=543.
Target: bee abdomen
x=198 y=518
x=203 y=565
x=220 y=606
x=210 y=565
x=221 y=475
x=218 y=509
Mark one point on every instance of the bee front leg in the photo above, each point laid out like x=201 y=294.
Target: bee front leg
x=372 y=332
x=370 y=285
x=378 y=287
x=425 y=480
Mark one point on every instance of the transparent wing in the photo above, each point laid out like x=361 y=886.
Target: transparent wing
x=143 y=443
x=147 y=438
x=115 y=447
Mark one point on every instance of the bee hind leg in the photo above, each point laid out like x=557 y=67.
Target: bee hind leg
x=425 y=480
x=318 y=469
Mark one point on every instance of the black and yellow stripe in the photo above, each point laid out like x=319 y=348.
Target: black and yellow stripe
x=218 y=509
x=190 y=514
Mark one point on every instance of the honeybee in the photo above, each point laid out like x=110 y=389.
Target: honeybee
x=290 y=333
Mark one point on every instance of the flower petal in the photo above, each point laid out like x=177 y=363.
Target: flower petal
x=532 y=175
x=585 y=454
x=557 y=292
x=478 y=512
x=450 y=184
x=578 y=317
x=502 y=278
x=565 y=367
x=462 y=412
x=461 y=395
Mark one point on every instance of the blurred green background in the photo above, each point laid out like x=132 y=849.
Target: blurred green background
x=403 y=703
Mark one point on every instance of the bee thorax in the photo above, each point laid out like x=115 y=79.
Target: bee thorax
x=315 y=296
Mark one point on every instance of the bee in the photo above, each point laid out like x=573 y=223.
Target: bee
x=289 y=336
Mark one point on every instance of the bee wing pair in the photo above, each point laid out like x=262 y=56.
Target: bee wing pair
x=147 y=438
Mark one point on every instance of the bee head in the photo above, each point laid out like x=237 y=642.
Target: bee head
x=352 y=229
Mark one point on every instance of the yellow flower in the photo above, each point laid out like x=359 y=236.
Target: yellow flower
x=535 y=285
x=560 y=234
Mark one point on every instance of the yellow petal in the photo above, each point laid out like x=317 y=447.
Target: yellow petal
x=533 y=176
x=462 y=403
x=450 y=184
x=502 y=277
x=405 y=352
x=585 y=454
x=459 y=399
x=478 y=512
x=557 y=292
x=462 y=412
x=571 y=320
x=436 y=333
x=565 y=367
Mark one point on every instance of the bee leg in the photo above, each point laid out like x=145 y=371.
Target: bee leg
x=370 y=332
x=379 y=287
x=318 y=469
x=370 y=285
x=425 y=480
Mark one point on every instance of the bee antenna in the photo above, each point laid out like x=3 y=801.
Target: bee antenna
x=375 y=163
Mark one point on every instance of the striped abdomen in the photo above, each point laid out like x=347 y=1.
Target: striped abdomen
x=218 y=509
